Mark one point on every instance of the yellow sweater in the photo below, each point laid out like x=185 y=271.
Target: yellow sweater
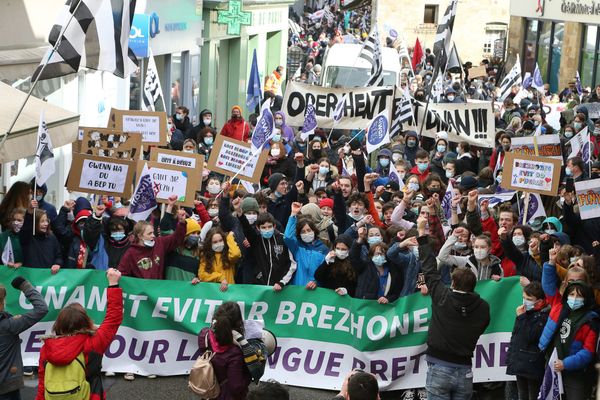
x=218 y=272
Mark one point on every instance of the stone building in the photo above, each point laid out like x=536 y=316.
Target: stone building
x=480 y=28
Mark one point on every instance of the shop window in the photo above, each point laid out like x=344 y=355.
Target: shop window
x=558 y=33
x=589 y=58
x=431 y=13
x=530 y=46
x=176 y=87
x=135 y=87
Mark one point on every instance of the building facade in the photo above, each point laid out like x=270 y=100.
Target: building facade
x=480 y=28
x=562 y=37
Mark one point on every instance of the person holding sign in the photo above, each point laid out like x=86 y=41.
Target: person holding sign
x=147 y=254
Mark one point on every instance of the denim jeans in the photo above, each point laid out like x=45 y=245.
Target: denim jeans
x=449 y=383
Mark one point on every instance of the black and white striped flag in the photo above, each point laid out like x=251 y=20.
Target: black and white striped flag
x=152 y=89
x=512 y=78
x=443 y=36
x=97 y=37
x=371 y=51
x=402 y=112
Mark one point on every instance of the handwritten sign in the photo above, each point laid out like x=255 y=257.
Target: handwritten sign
x=547 y=146
x=152 y=125
x=531 y=174
x=588 y=198
x=170 y=180
x=229 y=157
x=177 y=159
x=100 y=175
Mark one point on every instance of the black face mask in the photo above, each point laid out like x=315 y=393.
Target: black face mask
x=434 y=190
x=386 y=196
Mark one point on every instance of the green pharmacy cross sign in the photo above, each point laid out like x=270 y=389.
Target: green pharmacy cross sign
x=234 y=17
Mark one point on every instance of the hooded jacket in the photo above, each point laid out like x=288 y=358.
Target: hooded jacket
x=11 y=364
x=194 y=131
x=149 y=262
x=229 y=366
x=237 y=129
x=308 y=256
x=286 y=132
x=44 y=205
x=457 y=319
x=411 y=152
x=41 y=250
x=63 y=350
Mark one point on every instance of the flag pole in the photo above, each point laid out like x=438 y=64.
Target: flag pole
x=34 y=83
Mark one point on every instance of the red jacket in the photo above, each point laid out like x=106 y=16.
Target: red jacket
x=509 y=267
x=237 y=129
x=149 y=262
x=422 y=176
x=63 y=350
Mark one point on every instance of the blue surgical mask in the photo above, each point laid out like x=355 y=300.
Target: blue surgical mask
x=529 y=304
x=384 y=162
x=413 y=186
x=179 y=117
x=441 y=148
x=577 y=125
x=149 y=243
x=568 y=134
x=575 y=303
x=192 y=241
x=118 y=236
x=378 y=260
x=323 y=170
x=373 y=240
x=422 y=166
x=267 y=233
x=415 y=251
x=277 y=194
x=39 y=197
x=568 y=171
x=208 y=141
x=411 y=143
x=276 y=138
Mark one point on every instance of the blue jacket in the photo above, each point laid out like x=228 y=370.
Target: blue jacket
x=409 y=263
x=308 y=256
x=524 y=358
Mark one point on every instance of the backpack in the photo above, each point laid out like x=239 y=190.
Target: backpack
x=203 y=380
x=66 y=382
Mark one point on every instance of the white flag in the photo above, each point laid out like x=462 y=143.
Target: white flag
x=8 y=255
x=248 y=186
x=44 y=156
x=152 y=88
x=378 y=133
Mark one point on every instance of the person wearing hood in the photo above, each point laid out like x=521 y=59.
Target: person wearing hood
x=205 y=140
x=411 y=141
x=40 y=197
x=450 y=96
x=236 y=128
x=76 y=339
x=572 y=315
x=11 y=363
x=287 y=133
x=111 y=234
x=458 y=318
x=301 y=238
x=337 y=272
x=41 y=249
x=146 y=256
x=181 y=119
x=384 y=163
x=327 y=229
x=206 y=121
x=175 y=136
x=278 y=162
x=67 y=228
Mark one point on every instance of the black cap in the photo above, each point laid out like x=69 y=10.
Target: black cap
x=468 y=183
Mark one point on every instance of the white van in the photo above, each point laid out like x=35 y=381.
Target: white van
x=343 y=68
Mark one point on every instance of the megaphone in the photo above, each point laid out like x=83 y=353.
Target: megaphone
x=269 y=340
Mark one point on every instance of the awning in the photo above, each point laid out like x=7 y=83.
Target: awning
x=21 y=142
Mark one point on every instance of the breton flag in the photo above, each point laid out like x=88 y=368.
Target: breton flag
x=511 y=79
x=443 y=36
x=535 y=209
x=143 y=201
x=552 y=386
x=44 y=156
x=378 y=133
x=310 y=121
x=403 y=52
x=371 y=51
x=402 y=112
x=152 y=88
x=8 y=255
x=437 y=90
x=338 y=113
x=92 y=34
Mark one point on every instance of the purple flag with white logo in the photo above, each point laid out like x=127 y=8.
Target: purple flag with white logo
x=310 y=121
x=552 y=386
x=143 y=201
x=447 y=200
x=264 y=127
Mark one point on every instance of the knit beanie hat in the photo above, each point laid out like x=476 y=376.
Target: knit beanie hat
x=326 y=202
x=275 y=179
x=192 y=226
x=249 y=204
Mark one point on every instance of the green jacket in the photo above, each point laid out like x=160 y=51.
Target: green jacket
x=16 y=245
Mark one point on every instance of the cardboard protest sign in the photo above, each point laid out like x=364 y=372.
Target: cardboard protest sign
x=101 y=175
x=228 y=156
x=588 y=198
x=177 y=158
x=476 y=72
x=361 y=105
x=171 y=180
x=531 y=174
x=471 y=122
x=152 y=125
x=111 y=143
x=547 y=146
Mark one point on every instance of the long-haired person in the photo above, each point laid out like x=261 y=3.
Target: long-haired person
x=76 y=339
x=220 y=253
x=228 y=362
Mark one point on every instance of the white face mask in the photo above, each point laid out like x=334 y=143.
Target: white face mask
x=341 y=254
x=149 y=243
x=275 y=152
x=213 y=212
x=213 y=188
x=518 y=240
x=480 y=254
x=218 y=247
x=251 y=218
x=207 y=121
x=307 y=237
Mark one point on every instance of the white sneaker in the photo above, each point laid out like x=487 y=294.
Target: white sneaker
x=109 y=374
x=129 y=376
x=151 y=376
x=408 y=395
x=422 y=394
